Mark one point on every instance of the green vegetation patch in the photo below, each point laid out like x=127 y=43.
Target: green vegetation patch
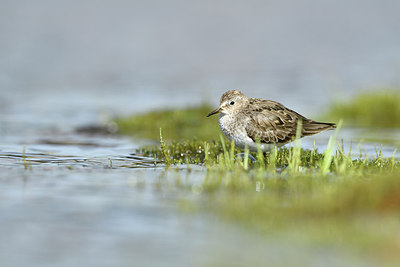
x=202 y=152
x=176 y=124
x=292 y=159
x=370 y=109
x=324 y=199
x=328 y=198
x=352 y=212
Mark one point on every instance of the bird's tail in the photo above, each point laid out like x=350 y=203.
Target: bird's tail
x=311 y=127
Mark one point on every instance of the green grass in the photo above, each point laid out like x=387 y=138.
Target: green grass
x=376 y=109
x=176 y=124
x=320 y=199
x=326 y=198
x=294 y=159
x=351 y=204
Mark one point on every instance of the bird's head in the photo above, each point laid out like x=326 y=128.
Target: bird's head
x=231 y=102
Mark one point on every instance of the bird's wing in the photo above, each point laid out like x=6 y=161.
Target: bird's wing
x=271 y=122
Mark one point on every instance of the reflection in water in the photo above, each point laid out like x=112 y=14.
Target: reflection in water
x=76 y=153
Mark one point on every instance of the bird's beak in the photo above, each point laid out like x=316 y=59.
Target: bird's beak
x=215 y=111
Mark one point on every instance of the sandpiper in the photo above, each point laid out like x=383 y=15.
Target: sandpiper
x=248 y=121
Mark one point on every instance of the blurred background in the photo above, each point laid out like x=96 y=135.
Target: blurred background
x=73 y=62
x=67 y=64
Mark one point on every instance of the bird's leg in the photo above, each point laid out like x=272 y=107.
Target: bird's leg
x=241 y=155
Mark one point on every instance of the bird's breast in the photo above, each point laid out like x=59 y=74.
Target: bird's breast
x=234 y=129
x=227 y=125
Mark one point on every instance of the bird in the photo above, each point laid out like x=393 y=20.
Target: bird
x=262 y=124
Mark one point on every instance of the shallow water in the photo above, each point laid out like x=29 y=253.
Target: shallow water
x=121 y=217
x=75 y=199
x=78 y=200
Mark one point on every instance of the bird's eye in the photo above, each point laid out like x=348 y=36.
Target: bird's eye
x=232 y=103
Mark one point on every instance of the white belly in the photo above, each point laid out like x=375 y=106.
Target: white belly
x=236 y=131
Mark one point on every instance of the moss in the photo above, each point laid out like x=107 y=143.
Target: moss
x=375 y=109
x=176 y=124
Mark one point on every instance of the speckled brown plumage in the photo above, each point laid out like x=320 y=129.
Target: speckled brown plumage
x=248 y=120
x=271 y=122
